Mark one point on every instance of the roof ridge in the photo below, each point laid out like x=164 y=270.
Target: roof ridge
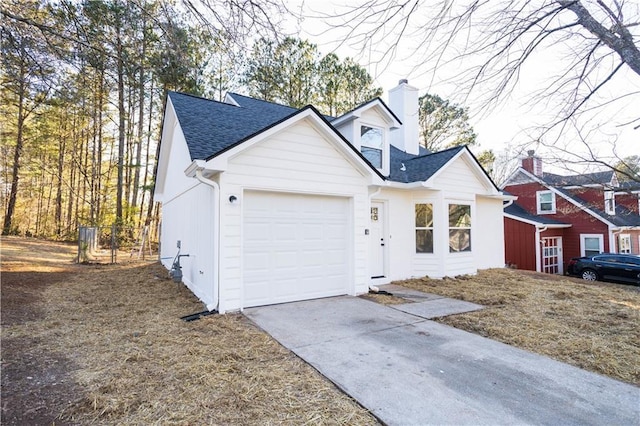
x=200 y=98
x=264 y=101
x=417 y=157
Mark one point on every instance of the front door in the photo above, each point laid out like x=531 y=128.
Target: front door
x=552 y=255
x=377 y=241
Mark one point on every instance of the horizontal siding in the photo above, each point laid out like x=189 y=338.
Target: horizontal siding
x=458 y=178
x=488 y=233
x=460 y=263
x=371 y=116
x=297 y=160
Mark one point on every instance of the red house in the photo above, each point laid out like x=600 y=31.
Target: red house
x=558 y=217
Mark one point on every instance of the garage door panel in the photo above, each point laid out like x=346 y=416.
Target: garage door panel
x=294 y=246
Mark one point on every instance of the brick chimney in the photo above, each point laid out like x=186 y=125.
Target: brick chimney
x=532 y=163
x=403 y=101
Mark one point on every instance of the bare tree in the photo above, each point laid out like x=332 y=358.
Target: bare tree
x=487 y=47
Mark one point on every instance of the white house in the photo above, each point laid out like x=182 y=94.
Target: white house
x=275 y=204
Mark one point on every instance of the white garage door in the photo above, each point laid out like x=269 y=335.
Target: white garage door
x=295 y=247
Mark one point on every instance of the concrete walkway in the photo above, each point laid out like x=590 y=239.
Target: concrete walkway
x=408 y=370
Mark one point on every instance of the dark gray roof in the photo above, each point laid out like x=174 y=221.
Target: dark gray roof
x=629 y=186
x=597 y=178
x=210 y=127
x=516 y=210
x=418 y=167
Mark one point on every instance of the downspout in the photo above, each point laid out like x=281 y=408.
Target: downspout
x=216 y=236
x=539 y=248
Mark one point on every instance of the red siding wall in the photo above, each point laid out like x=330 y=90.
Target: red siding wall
x=593 y=196
x=519 y=244
x=526 y=195
x=566 y=212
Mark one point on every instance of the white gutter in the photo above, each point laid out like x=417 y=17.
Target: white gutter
x=216 y=236
x=539 y=248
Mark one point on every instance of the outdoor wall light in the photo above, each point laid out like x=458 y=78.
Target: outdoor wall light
x=233 y=199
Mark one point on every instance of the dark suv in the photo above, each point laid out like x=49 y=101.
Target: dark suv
x=607 y=266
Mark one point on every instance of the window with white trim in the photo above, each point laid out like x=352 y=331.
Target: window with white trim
x=591 y=244
x=424 y=228
x=459 y=228
x=624 y=243
x=546 y=202
x=609 y=202
x=371 y=144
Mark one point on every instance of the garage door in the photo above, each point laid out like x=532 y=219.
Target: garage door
x=295 y=247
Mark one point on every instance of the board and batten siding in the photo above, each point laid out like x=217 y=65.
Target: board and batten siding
x=189 y=218
x=187 y=215
x=296 y=160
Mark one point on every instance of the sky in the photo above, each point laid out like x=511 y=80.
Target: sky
x=512 y=124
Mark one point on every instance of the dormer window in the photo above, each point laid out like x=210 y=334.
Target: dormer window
x=371 y=144
x=609 y=202
x=546 y=201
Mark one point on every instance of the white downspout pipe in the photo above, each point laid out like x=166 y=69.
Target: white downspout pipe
x=539 y=248
x=216 y=237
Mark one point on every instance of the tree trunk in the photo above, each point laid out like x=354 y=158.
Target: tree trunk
x=121 y=128
x=13 y=195
x=61 y=152
x=137 y=170
x=155 y=166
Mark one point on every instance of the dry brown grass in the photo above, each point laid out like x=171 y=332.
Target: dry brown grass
x=384 y=299
x=595 y=326
x=138 y=363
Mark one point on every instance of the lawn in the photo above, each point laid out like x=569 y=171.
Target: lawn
x=595 y=326
x=105 y=345
x=87 y=344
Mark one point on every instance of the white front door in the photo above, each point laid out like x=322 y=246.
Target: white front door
x=552 y=255
x=377 y=241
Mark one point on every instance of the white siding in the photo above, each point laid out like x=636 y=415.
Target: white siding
x=489 y=233
x=296 y=160
x=175 y=155
x=189 y=218
x=459 y=180
x=456 y=184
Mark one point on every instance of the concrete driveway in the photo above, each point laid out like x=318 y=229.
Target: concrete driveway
x=408 y=370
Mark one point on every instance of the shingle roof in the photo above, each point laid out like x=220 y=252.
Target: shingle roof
x=599 y=178
x=418 y=167
x=210 y=127
x=629 y=186
x=516 y=210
